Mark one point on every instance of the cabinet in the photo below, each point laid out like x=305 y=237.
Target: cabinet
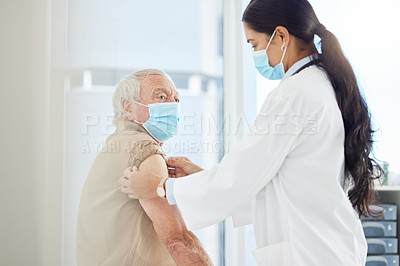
x=390 y=194
x=386 y=195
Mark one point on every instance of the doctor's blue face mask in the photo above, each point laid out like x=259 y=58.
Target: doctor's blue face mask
x=163 y=121
x=262 y=64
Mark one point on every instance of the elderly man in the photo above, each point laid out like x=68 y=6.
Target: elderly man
x=113 y=229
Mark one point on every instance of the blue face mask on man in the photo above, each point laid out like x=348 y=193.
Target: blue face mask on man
x=163 y=121
x=262 y=64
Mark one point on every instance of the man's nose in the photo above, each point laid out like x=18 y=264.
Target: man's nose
x=171 y=99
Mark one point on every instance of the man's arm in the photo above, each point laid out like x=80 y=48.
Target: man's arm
x=182 y=244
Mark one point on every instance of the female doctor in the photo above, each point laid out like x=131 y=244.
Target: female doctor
x=304 y=167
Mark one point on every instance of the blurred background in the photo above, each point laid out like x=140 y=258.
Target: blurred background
x=60 y=62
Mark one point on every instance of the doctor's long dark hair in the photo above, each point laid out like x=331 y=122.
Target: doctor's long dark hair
x=299 y=18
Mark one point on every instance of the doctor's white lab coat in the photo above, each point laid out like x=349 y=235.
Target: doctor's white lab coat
x=290 y=169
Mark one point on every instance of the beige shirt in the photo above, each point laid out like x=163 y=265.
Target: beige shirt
x=112 y=229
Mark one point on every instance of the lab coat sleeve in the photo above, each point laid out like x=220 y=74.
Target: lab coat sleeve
x=210 y=196
x=243 y=216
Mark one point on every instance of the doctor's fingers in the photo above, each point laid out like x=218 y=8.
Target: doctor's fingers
x=174 y=159
x=133 y=196
x=171 y=170
x=178 y=158
x=126 y=190
x=128 y=171
x=124 y=181
x=178 y=163
x=171 y=173
x=125 y=185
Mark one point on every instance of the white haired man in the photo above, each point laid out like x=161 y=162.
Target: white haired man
x=113 y=229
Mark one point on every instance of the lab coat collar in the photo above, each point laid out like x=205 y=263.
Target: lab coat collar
x=296 y=66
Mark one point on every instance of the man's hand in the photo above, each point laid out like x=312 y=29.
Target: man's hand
x=139 y=184
x=181 y=166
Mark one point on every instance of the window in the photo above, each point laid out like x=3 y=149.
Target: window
x=358 y=25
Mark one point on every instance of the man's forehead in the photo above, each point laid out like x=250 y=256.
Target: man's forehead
x=159 y=83
x=163 y=89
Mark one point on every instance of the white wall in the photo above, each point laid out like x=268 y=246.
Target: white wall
x=88 y=122
x=24 y=131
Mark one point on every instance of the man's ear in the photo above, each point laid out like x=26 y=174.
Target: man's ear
x=283 y=35
x=127 y=109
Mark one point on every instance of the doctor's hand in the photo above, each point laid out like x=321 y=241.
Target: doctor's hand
x=139 y=184
x=181 y=166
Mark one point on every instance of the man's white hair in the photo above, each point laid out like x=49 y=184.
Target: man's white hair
x=129 y=88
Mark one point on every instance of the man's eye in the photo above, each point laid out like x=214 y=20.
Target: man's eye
x=177 y=100
x=162 y=97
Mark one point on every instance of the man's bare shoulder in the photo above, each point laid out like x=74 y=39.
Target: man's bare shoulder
x=156 y=164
